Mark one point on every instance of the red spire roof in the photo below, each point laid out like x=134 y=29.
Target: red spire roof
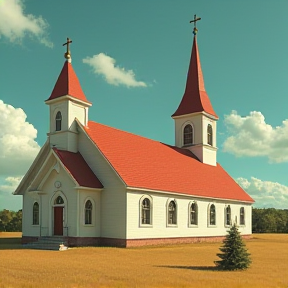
x=195 y=98
x=68 y=84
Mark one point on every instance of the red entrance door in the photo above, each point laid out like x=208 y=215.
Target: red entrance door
x=58 y=220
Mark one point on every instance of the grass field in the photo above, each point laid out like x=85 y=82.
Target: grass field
x=170 y=266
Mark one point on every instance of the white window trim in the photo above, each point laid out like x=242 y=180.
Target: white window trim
x=208 y=216
x=182 y=134
x=36 y=225
x=225 y=217
x=93 y=212
x=189 y=215
x=242 y=225
x=167 y=213
x=151 y=212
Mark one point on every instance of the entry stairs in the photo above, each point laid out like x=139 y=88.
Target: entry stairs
x=47 y=243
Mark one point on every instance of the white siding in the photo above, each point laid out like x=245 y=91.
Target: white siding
x=159 y=227
x=113 y=196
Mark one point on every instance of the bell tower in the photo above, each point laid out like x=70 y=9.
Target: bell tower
x=195 y=118
x=66 y=103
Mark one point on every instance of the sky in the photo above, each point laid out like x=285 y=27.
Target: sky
x=131 y=58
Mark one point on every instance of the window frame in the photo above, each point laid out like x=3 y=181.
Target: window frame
x=227 y=212
x=142 y=199
x=242 y=223
x=36 y=214
x=175 y=213
x=210 y=135
x=209 y=215
x=190 y=133
x=90 y=213
x=58 y=121
x=190 y=214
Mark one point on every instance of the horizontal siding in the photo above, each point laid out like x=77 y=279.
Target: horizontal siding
x=159 y=228
x=113 y=196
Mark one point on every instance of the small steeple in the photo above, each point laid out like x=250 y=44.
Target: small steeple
x=195 y=98
x=68 y=83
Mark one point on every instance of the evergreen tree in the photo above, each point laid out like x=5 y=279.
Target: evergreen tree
x=234 y=254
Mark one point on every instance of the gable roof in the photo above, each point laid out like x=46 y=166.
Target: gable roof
x=195 y=98
x=149 y=164
x=77 y=167
x=68 y=84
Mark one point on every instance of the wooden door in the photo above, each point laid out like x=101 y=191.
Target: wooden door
x=58 y=220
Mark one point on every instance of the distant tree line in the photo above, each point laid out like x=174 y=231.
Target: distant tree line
x=269 y=220
x=10 y=221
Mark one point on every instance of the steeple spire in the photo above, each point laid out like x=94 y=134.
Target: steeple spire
x=195 y=98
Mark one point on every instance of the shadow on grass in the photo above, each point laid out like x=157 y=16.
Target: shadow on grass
x=200 y=268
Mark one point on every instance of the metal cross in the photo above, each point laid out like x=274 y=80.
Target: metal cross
x=195 y=30
x=67 y=54
x=195 y=20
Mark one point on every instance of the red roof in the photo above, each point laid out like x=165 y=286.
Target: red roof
x=195 y=98
x=77 y=167
x=68 y=84
x=149 y=164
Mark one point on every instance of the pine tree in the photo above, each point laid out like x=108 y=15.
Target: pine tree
x=234 y=253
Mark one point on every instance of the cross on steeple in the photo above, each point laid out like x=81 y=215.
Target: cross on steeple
x=195 y=30
x=67 y=55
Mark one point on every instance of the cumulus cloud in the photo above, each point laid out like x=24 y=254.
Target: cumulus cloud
x=267 y=194
x=105 y=65
x=252 y=136
x=9 y=184
x=15 y=24
x=18 y=147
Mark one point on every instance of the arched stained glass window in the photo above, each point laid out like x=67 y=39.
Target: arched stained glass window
x=212 y=215
x=242 y=216
x=146 y=211
x=59 y=200
x=209 y=135
x=194 y=214
x=36 y=213
x=188 y=135
x=228 y=215
x=58 y=121
x=88 y=212
x=172 y=213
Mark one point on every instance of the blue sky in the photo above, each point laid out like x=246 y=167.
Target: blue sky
x=131 y=58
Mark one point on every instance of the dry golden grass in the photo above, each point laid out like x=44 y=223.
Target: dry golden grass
x=169 y=266
x=10 y=234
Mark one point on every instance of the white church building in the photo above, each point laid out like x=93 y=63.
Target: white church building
x=96 y=185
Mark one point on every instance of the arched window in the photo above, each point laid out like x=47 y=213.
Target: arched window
x=59 y=200
x=212 y=215
x=194 y=214
x=36 y=213
x=242 y=216
x=228 y=215
x=209 y=135
x=58 y=121
x=172 y=213
x=88 y=212
x=188 y=135
x=146 y=211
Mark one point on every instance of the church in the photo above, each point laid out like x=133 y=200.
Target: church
x=90 y=191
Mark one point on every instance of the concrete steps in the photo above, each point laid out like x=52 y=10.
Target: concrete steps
x=47 y=243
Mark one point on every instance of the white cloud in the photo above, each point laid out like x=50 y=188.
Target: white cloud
x=10 y=184
x=15 y=24
x=252 y=136
x=266 y=194
x=105 y=65
x=18 y=147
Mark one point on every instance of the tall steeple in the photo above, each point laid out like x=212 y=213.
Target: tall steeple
x=195 y=118
x=67 y=102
